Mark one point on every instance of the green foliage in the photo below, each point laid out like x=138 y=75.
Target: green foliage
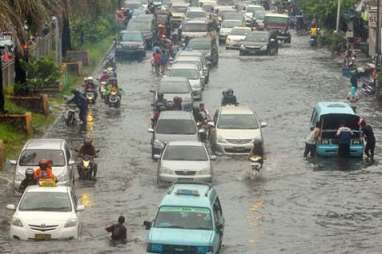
x=86 y=30
x=324 y=10
x=41 y=72
x=334 y=41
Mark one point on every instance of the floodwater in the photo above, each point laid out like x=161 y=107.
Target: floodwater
x=295 y=206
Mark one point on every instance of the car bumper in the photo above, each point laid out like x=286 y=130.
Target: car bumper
x=254 y=51
x=233 y=45
x=174 y=177
x=331 y=150
x=283 y=37
x=61 y=233
x=129 y=51
x=232 y=149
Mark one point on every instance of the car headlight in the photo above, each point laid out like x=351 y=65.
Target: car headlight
x=205 y=171
x=264 y=47
x=158 y=144
x=220 y=139
x=71 y=223
x=17 y=222
x=167 y=171
x=242 y=46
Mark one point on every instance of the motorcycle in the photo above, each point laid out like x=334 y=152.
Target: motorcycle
x=313 y=41
x=86 y=168
x=70 y=115
x=102 y=89
x=114 y=99
x=91 y=95
x=256 y=166
x=367 y=87
x=204 y=129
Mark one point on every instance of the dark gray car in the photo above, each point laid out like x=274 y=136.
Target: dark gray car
x=259 y=42
x=130 y=43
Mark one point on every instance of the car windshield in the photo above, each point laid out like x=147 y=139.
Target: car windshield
x=141 y=25
x=174 y=87
x=257 y=37
x=131 y=37
x=260 y=15
x=46 y=201
x=231 y=23
x=182 y=9
x=33 y=156
x=194 y=27
x=186 y=73
x=237 y=121
x=238 y=31
x=199 y=44
x=196 y=14
x=276 y=20
x=184 y=217
x=185 y=153
x=176 y=126
x=253 y=9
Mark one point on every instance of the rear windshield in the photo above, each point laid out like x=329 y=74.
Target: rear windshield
x=276 y=20
x=33 y=156
x=192 y=27
x=196 y=14
x=231 y=23
x=176 y=126
x=185 y=73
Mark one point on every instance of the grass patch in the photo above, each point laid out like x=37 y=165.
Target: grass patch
x=13 y=138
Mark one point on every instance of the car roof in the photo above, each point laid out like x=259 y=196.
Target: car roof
x=176 y=115
x=45 y=144
x=256 y=5
x=242 y=28
x=260 y=32
x=195 y=9
x=185 y=143
x=184 y=66
x=324 y=108
x=206 y=194
x=196 y=21
x=36 y=188
x=236 y=110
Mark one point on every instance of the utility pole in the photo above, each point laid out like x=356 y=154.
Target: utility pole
x=338 y=16
x=378 y=40
x=58 y=40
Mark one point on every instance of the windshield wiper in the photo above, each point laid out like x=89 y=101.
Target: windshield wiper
x=174 y=226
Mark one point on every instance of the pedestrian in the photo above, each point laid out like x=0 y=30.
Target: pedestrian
x=311 y=141
x=354 y=81
x=118 y=231
x=164 y=60
x=368 y=135
x=156 y=60
x=344 y=135
x=353 y=100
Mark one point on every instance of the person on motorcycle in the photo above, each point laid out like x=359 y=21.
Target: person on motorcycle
x=257 y=152
x=229 y=98
x=177 y=103
x=314 y=30
x=28 y=180
x=89 y=83
x=203 y=114
x=82 y=103
x=88 y=150
x=44 y=171
x=112 y=86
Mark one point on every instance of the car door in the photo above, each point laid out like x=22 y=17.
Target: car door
x=218 y=220
x=68 y=156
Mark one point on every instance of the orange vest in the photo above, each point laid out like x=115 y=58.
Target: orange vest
x=40 y=174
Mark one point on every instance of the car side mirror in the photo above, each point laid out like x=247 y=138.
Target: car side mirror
x=263 y=124
x=156 y=156
x=11 y=207
x=150 y=130
x=152 y=91
x=147 y=224
x=72 y=162
x=213 y=157
x=80 y=208
x=12 y=162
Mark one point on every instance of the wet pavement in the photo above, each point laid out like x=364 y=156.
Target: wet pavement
x=295 y=206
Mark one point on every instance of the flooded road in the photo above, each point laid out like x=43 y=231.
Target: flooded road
x=296 y=206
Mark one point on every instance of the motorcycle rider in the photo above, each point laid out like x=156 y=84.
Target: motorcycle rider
x=229 y=98
x=88 y=149
x=368 y=134
x=177 y=103
x=257 y=152
x=28 y=180
x=44 y=171
x=82 y=103
x=314 y=32
x=89 y=86
x=104 y=76
x=203 y=114
x=112 y=86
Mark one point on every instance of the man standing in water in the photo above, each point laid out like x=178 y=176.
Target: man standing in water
x=344 y=135
x=118 y=231
x=368 y=134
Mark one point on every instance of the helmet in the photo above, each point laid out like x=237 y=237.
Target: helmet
x=201 y=105
x=88 y=141
x=43 y=164
x=230 y=92
x=29 y=172
x=121 y=219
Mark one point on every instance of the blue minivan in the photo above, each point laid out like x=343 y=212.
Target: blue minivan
x=329 y=116
x=189 y=220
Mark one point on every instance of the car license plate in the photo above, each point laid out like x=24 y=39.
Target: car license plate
x=185 y=179
x=42 y=236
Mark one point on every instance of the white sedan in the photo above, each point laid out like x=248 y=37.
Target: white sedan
x=236 y=36
x=46 y=213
